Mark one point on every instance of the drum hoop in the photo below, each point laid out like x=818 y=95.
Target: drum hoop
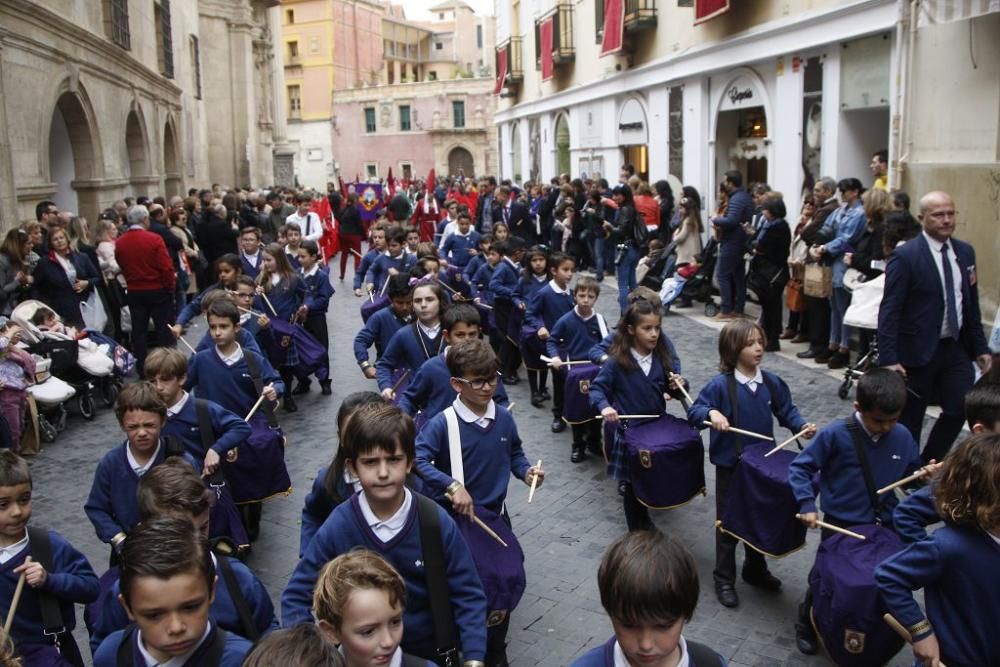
x=700 y=491
x=281 y=494
x=718 y=525
x=582 y=421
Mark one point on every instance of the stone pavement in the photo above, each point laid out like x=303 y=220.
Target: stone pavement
x=563 y=532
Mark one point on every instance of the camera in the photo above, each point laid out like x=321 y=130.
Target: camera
x=620 y=251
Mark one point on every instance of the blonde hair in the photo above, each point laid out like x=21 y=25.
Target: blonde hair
x=358 y=569
x=877 y=203
x=7 y=656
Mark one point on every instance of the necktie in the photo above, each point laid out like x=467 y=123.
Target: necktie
x=949 y=293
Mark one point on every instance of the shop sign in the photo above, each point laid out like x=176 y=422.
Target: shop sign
x=741 y=93
x=632 y=124
x=748 y=149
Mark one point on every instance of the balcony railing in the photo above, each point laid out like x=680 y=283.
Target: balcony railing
x=562 y=33
x=640 y=14
x=515 y=65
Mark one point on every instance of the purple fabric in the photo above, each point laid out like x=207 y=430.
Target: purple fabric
x=486 y=318
x=259 y=471
x=309 y=355
x=369 y=306
x=576 y=404
x=847 y=607
x=532 y=348
x=500 y=568
x=224 y=518
x=400 y=383
x=760 y=507
x=666 y=460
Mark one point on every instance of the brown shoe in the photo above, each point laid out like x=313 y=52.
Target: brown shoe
x=824 y=356
x=800 y=338
x=787 y=334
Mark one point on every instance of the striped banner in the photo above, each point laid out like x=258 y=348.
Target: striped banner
x=934 y=12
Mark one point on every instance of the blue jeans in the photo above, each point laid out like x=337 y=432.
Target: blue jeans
x=626 y=276
x=597 y=253
x=840 y=299
x=731 y=274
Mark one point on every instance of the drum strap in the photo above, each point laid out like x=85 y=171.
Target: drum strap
x=254 y=367
x=217 y=478
x=239 y=601
x=437 y=581
x=866 y=466
x=602 y=326
x=41 y=551
x=734 y=402
x=700 y=655
x=454 y=445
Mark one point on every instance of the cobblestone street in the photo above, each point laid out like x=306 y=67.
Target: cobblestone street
x=563 y=532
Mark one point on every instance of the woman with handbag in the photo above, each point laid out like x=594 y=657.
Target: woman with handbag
x=192 y=261
x=798 y=317
x=769 y=267
x=65 y=279
x=631 y=235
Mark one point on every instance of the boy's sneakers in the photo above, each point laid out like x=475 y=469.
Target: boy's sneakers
x=537 y=400
x=579 y=452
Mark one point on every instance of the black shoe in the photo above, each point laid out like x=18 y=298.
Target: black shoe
x=326 y=390
x=726 y=593
x=558 y=425
x=839 y=360
x=807 y=354
x=764 y=580
x=579 y=453
x=289 y=404
x=301 y=388
x=510 y=380
x=537 y=400
x=824 y=356
x=621 y=488
x=805 y=638
x=544 y=393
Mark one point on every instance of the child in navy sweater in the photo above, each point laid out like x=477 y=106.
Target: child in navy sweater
x=545 y=307
x=280 y=294
x=460 y=247
x=111 y=503
x=958 y=566
x=382 y=326
x=648 y=583
x=312 y=313
x=228 y=268
x=301 y=645
x=360 y=589
x=168 y=575
x=68 y=578
x=534 y=278
x=377 y=244
x=635 y=380
x=489 y=450
x=503 y=284
x=571 y=339
x=394 y=260
x=245 y=336
x=758 y=395
x=384 y=517
x=474 y=264
x=251 y=257
x=414 y=344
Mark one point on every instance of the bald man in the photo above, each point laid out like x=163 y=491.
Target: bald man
x=929 y=323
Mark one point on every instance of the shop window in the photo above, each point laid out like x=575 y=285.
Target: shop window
x=675 y=130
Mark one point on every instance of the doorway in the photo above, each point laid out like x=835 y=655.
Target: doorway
x=562 y=145
x=741 y=143
x=638 y=157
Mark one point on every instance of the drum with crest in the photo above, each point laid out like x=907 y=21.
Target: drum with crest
x=500 y=568
x=666 y=461
x=576 y=404
x=259 y=471
x=372 y=305
x=532 y=348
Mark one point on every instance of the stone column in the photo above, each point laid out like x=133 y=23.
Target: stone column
x=283 y=153
x=8 y=193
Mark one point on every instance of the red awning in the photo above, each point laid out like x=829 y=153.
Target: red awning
x=501 y=70
x=614 y=26
x=709 y=9
x=545 y=44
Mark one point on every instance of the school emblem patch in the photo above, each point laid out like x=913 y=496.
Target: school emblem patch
x=496 y=617
x=645 y=458
x=854 y=641
x=584 y=386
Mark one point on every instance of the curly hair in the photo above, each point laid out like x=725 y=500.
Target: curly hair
x=967 y=492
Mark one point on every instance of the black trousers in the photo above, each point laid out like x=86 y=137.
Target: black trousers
x=771 y=302
x=818 y=317
x=142 y=305
x=636 y=514
x=588 y=433
x=510 y=356
x=725 y=544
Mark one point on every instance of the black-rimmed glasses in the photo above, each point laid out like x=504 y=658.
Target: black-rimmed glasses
x=481 y=383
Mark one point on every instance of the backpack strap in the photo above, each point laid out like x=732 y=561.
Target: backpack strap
x=254 y=367
x=213 y=656
x=445 y=644
x=454 y=445
x=866 y=466
x=172 y=446
x=700 y=655
x=41 y=551
x=734 y=403
x=126 y=652
x=413 y=661
x=239 y=601
x=208 y=438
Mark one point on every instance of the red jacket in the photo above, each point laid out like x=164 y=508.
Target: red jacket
x=144 y=261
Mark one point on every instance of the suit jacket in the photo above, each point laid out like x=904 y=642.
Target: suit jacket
x=521 y=222
x=495 y=208
x=913 y=305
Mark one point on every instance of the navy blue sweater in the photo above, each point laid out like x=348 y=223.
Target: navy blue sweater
x=599 y=353
x=232 y=387
x=527 y=288
x=409 y=349
x=111 y=504
x=842 y=481
x=631 y=392
x=379 y=329
x=503 y=282
x=366 y=265
x=193 y=308
x=430 y=392
x=379 y=270
x=285 y=297
x=572 y=338
x=228 y=430
x=456 y=247
x=959 y=570
x=912 y=516
x=489 y=457
x=481 y=283
x=755 y=410
x=473 y=265
x=318 y=292
x=346 y=528
x=546 y=306
x=235 y=650
x=250 y=269
x=71 y=580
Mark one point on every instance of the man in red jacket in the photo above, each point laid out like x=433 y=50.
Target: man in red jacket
x=149 y=275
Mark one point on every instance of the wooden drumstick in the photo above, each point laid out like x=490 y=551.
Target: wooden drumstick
x=534 y=482
x=257 y=404
x=14 y=600
x=483 y=305
x=360 y=256
x=836 y=529
x=679 y=383
x=187 y=344
x=923 y=472
x=789 y=441
x=400 y=380
x=479 y=522
x=733 y=429
x=510 y=408
x=251 y=311
x=385 y=285
x=550 y=361
x=269 y=304
x=901 y=631
x=639 y=416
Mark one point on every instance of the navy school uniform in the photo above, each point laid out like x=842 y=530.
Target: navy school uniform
x=912 y=516
x=232 y=387
x=472 y=266
x=755 y=413
x=379 y=270
x=504 y=281
x=379 y=329
x=599 y=353
x=252 y=267
x=109 y=616
x=490 y=455
x=842 y=484
x=111 y=504
x=244 y=337
x=527 y=288
x=409 y=349
x=456 y=248
x=604 y=655
x=546 y=306
x=286 y=296
x=572 y=337
x=317 y=300
x=481 y=283
x=71 y=580
x=193 y=308
x=366 y=265
x=347 y=528
x=293 y=258
x=959 y=570
x=429 y=390
x=229 y=430
x=235 y=650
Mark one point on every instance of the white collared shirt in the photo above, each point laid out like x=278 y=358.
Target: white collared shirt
x=311 y=272
x=874 y=437
x=7 y=553
x=430 y=332
x=956 y=275
x=388 y=529
x=514 y=264
x=470 y=417
x=232 y=358
x=751 y=382
x=254 y=259
x=554 y=286
x=622 y=661
x=175 y=409
x=140 y=469
x=395 y=661
x=176 y=661
x=593 y=314
x=645 y=362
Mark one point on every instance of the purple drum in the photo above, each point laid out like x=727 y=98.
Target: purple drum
x=847 y=607
x=400 y=381
x=576 y=404
x=224 y=517
x=259 y=472
x=369 y=306
x=501 y=569
x=666 y=461
x=760 y=507
x=532 y=348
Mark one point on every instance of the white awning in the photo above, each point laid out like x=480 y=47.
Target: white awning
x=932 y=12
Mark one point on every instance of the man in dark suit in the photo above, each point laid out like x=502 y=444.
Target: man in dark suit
x=731 y=268
x=929 y=324
x=488 y=209
x=517 y=217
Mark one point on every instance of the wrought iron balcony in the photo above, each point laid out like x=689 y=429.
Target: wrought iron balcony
x=515 y=65
x=640 y=15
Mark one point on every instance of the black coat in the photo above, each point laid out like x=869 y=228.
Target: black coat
x=57 y=292
x=215 y=237
x=770 y=259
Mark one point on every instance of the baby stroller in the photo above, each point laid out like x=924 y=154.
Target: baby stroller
x=81 y=362
x=863 y=314
x=50 y=395
x=694 y=281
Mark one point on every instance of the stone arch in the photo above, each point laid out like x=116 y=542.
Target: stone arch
x=561 y=142
x=173 y=180
x=137 y=151
x=71 y=157
x=460 y=157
